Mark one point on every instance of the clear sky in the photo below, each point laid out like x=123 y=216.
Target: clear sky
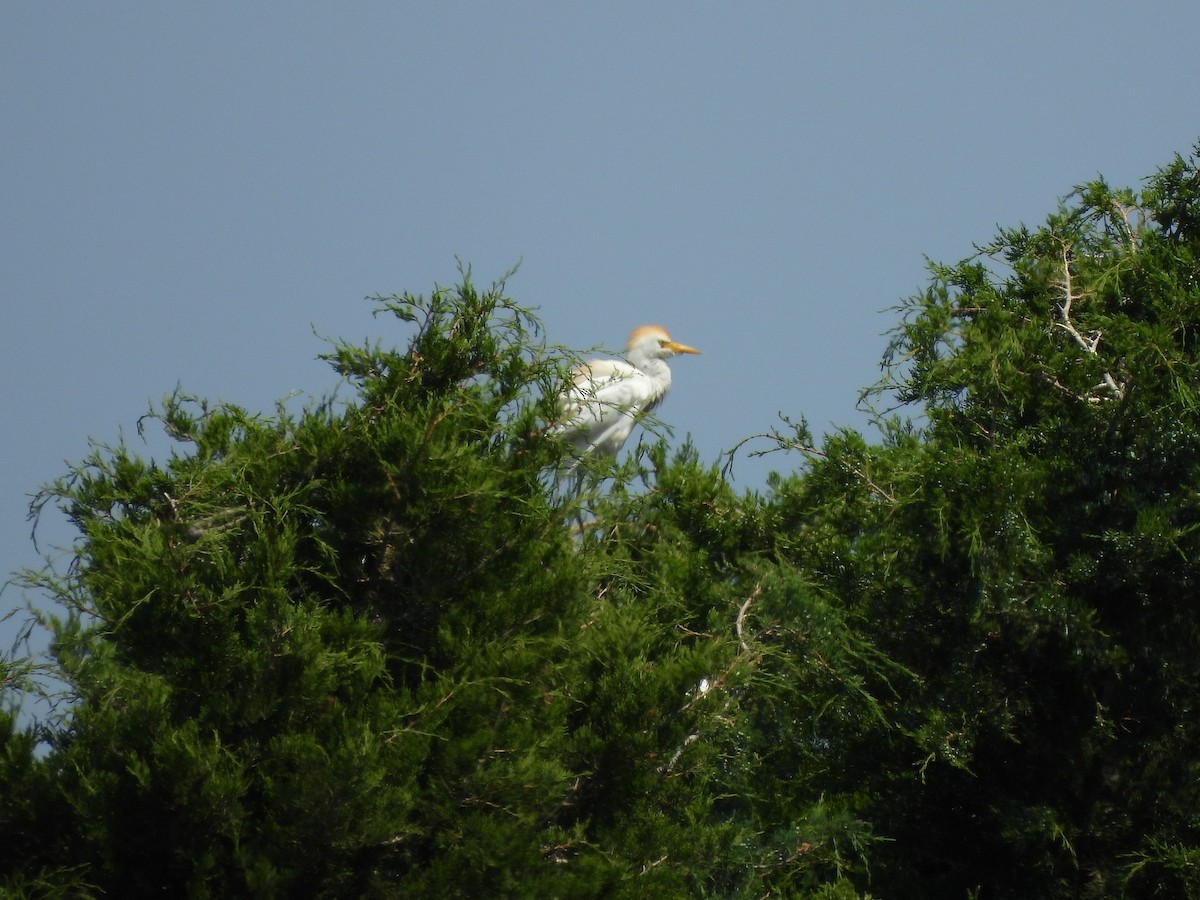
x=190 y=191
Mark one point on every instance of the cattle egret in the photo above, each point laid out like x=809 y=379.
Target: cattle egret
x=606 y=397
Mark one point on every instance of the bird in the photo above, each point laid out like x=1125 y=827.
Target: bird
x=606 y=397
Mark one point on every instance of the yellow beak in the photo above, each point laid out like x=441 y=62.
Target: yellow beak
x=679 y=348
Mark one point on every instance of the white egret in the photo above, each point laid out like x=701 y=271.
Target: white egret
x=606 y=397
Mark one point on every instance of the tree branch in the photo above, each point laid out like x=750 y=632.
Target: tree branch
x=741 y=617
x=1089 y=344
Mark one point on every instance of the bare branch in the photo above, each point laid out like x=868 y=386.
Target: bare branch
x=741 y=617
x=1089 y=344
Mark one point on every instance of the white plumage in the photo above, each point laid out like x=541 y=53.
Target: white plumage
x=607 y=396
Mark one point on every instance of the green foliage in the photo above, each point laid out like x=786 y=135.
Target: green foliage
x=373 y=648
x=1039 y=537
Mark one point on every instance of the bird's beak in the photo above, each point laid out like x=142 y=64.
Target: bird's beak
x=679 y=348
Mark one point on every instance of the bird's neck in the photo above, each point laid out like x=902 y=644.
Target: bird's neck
x=657 y=371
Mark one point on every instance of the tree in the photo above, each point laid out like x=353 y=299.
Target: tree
x=1028 y=550
x=271 y=635
x=371 y=648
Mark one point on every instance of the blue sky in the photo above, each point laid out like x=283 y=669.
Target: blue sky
x=191 y=191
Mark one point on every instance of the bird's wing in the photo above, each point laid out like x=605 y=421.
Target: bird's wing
x=603 y=387
x=599 y=408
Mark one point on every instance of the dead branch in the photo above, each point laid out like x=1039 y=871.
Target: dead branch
x=741 y=617
x=1090 y=343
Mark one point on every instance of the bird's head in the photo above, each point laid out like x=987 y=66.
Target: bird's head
x=653 y=342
